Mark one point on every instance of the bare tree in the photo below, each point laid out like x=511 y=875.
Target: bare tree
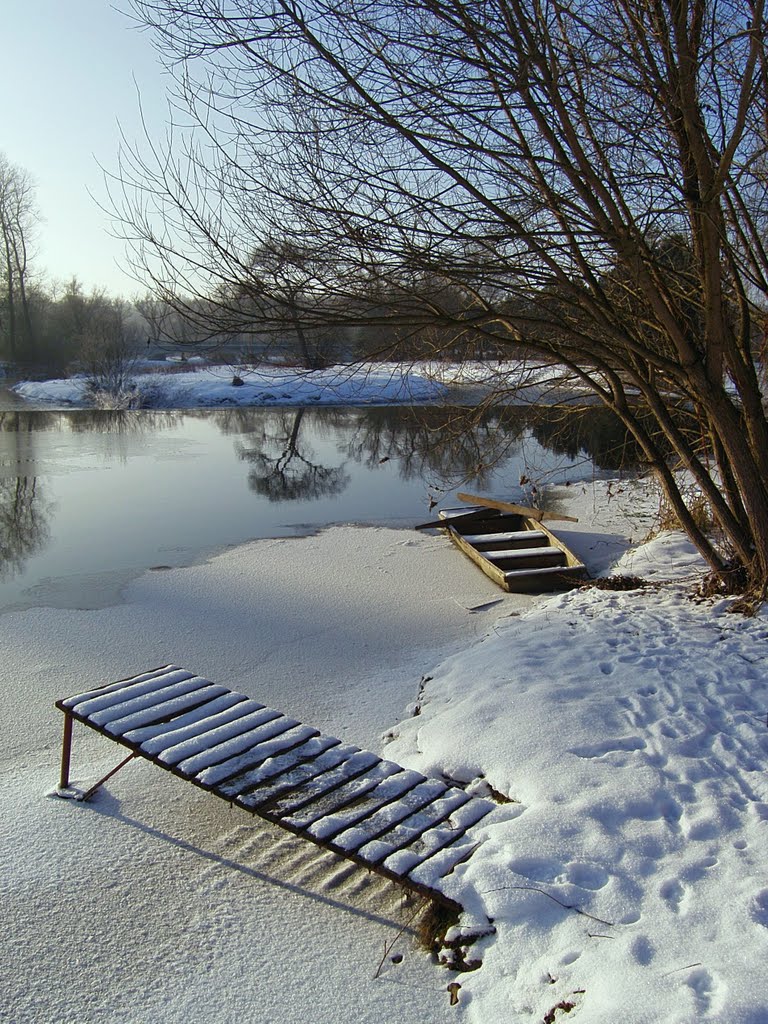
x=109 y=344
x=17 y=218
x=103 y=334
x=588 y=174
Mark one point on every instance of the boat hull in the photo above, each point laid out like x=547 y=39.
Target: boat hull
x=519 y=553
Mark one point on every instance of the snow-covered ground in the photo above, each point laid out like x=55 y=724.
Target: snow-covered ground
x=627 y=878
x=212 y=386
x=357 y=384
x=156 y=902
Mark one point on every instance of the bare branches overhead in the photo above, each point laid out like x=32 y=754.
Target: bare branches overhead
x=584 y=179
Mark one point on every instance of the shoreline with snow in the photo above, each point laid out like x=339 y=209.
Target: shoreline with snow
x=170 y=386
x=625 y=877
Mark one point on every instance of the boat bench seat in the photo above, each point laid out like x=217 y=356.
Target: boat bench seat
x=537 y=553
x=534 y=536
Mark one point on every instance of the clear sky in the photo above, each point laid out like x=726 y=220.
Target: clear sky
x=70 y=76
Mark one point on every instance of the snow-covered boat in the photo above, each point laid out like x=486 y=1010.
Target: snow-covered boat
x=514 y=548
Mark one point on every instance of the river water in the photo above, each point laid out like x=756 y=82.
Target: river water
x=90 y=499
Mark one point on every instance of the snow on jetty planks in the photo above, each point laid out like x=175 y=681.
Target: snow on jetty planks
x=391 y=820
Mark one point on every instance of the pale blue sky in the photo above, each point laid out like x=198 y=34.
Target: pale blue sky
x=67 y=79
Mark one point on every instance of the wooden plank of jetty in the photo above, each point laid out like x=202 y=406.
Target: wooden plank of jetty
x=409 y=828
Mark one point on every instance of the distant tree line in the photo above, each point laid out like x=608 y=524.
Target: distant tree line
x=50 y=326
x=60 y=327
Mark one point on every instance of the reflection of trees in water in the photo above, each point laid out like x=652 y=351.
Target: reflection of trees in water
x=438 y=444
x=263 y=421
x=446 y=443
x=120 y=427
x=23 y=423
x=449 y=443
x=24 y=515
x=593 y=432
x=458 y=444
x=24 y=525
x=117 y=425
x=79 y=421
x=123 y=422
x=284 y=466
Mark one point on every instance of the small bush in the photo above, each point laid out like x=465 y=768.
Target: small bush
x=616 y=583
x=698 y=506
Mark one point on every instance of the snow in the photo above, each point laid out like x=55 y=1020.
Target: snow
x=529 y=379
x=629 y=729
x=626 y=876
x=158 y=902
x=359 y=384
x=153 y=384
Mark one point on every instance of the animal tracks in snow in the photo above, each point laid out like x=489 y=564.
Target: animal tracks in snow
x=676 y=891
x=642 y=949
x=673 y=781
x=673 y=892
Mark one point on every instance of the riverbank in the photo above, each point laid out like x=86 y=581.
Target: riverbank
x=625 y=877
x=172 y=385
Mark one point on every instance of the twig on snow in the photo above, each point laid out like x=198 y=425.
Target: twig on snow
x=388 y=947
x=678 y=969
x=565 y=906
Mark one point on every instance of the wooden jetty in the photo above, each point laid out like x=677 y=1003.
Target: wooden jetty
x=511 y=544
x=411 y=829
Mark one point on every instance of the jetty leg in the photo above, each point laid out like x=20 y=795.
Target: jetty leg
x=97 y=785
x=66 y=751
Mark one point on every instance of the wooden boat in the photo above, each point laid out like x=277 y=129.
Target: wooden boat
x=512 y=546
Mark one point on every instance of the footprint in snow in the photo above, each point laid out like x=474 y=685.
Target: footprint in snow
x=759 y=908
x=587 y=876
x=610 y=746
x=537 y=869
x=642 y=949
x=673 y=892
x=704 y=829
x=631 y=917
x=569 y=958
x=697 y=871
x=706 y=989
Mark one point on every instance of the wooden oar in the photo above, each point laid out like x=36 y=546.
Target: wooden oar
x=475 y=514
x=520 y=510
